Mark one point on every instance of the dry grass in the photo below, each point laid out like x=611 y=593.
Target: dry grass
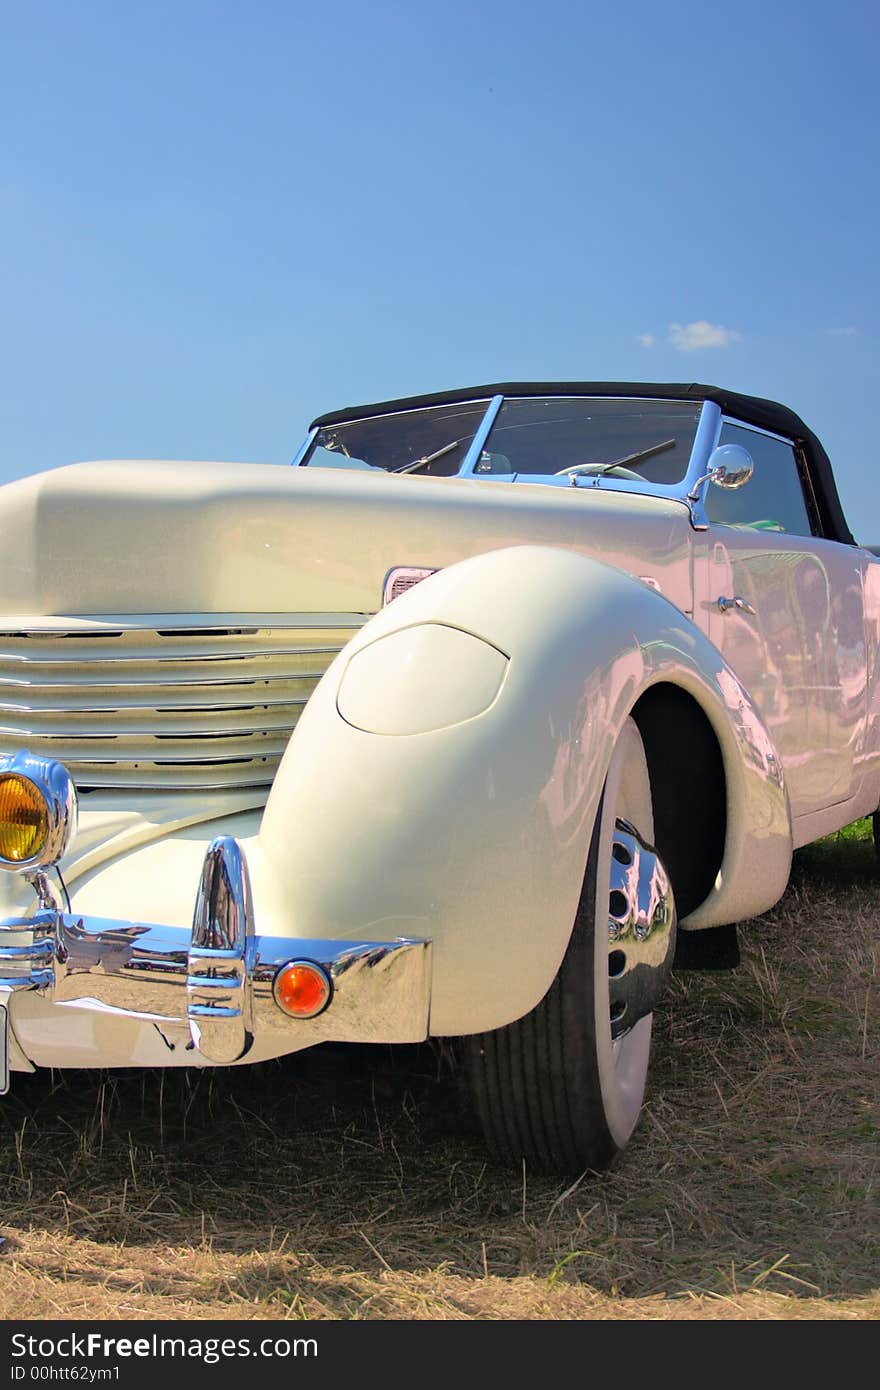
x=342 y=1184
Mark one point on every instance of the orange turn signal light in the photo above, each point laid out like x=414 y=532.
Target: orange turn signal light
x=302 y=989
x=24 y=819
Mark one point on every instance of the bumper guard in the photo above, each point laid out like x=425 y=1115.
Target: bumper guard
x=219 y=976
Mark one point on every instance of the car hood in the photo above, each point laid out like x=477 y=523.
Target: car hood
x=86 y=546
x=161 y=537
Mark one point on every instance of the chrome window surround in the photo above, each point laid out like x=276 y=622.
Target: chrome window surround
x=304 y=448
x=705 y=439
x=471 y=458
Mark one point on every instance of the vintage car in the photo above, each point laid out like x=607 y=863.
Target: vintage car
x=470 y=725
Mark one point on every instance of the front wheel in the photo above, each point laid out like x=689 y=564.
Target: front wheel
x=562 y=1087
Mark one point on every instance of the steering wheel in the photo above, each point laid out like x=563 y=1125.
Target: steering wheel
x=583 y=470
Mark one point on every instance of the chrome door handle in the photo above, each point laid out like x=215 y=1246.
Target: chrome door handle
x=736 y=602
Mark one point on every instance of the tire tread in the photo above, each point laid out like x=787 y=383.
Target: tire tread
x=530 y=1104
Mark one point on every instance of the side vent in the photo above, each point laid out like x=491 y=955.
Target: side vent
x=402 y=578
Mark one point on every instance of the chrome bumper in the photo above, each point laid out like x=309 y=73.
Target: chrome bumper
x=219 y=976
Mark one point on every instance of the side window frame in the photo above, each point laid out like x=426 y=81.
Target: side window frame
x=813 y=514
x=802 y=472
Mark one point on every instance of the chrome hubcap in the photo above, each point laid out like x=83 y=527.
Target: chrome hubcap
x=641 y=929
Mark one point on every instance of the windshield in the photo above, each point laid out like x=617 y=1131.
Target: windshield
x=642 y=439
x=435 y=440
x=591 y=437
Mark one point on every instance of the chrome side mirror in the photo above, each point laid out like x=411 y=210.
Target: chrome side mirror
x=731 y=466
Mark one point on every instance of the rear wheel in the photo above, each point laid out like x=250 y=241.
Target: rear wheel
x=562 y=1087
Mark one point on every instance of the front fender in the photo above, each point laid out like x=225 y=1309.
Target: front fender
x=475 y=832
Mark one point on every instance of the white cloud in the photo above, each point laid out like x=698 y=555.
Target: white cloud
x=647 y=339
x=849 y=332
x=689 y=337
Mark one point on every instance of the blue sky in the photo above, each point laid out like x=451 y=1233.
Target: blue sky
x=218 y=220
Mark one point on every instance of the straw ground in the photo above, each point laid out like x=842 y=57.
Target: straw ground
x=343 y=1183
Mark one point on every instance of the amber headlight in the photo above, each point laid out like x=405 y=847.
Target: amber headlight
x=37 y=811
x=24 y=819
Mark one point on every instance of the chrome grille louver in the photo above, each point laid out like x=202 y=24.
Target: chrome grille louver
x=154 y=704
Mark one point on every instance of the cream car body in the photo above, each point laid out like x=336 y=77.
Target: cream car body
x=427 y=771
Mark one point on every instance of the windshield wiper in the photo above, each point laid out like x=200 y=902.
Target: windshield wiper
x=428 y=458
x=599 y=470
x=638 y=457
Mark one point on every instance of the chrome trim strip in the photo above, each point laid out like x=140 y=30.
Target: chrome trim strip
x=296 y=461
x=469 y=462
x=178 y=702
x=237 y=675
x=145 y=658
x=166 y=626
x=163 y=725
x=41 y=980
x=189 y=748
x=239 y=775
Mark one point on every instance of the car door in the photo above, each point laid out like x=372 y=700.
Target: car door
x=796 y=636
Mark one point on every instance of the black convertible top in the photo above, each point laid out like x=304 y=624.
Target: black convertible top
x=752 y=410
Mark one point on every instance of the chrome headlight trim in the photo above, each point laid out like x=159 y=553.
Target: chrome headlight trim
x=57 y=788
